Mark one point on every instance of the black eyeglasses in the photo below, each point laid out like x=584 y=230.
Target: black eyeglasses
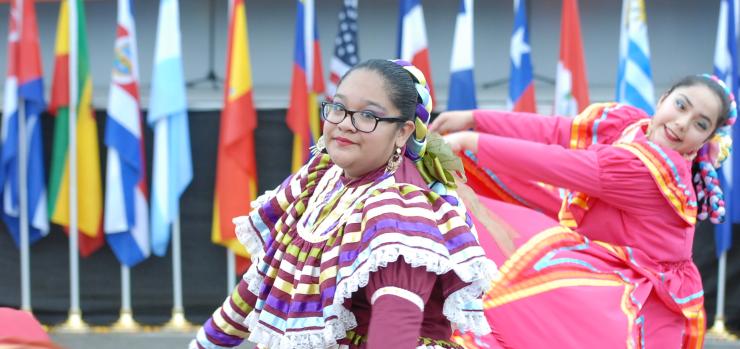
x=363 y=121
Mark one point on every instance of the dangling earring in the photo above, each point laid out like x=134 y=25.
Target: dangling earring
x=394 y=161
x=319 y=147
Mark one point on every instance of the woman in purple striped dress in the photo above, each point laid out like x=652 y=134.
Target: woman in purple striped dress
x=368 y=245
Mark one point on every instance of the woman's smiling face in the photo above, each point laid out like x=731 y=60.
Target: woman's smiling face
x=685 y=118
x=359 y=153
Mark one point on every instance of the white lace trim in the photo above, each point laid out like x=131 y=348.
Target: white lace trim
x=249 y=238
x=327 y=337
x=265 y=197
x=466 y=320
x=479 y=272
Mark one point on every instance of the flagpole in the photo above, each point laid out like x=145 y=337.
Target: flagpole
x=23 y=183
x=23 y=191
x=74 y=322
x=178 y=322
x=126 y=322
x=230 y=270
x=719 y=330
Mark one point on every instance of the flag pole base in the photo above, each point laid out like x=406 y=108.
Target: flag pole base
x=73 y=324
x=178 y=323
x=126 y=323
x=719 y=331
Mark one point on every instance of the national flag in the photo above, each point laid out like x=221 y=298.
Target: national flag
x=571 y=85
x=71 y=30
x=634 y=76
x=412 y=39
x=172 y=171
x=521 y=83
x=126 y=221
x=236 y=169
x=346 y=50
x=23 y=84
x=726 y=68
x=462 y=83
x=307 y=84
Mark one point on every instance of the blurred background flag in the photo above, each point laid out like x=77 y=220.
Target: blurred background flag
x=23 y=84
x=236 y=168
x=307 y=85
x=521 y=83
x=412 y=39
x=634 y=76
x=725 y=68
x=89 y=187
x=571 y=85
x=346 y=49
x=462 y=83
x=172 y=169
x=126 y=221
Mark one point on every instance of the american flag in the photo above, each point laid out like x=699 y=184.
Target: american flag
x=345 y=45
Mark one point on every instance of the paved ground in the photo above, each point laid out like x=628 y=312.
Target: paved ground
x=155 y=340
x=158 y=340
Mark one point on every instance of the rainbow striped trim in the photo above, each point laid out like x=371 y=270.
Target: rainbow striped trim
x=585 y=126
x=674 y=188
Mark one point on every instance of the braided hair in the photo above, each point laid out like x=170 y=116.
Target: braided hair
x=709 y=158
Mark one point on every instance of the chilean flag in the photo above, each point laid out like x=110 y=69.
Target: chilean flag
x=412 y=39
x=521 y=86
x=23 y=84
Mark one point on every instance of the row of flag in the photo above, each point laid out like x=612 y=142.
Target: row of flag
x=127 y=220
x=133 y=226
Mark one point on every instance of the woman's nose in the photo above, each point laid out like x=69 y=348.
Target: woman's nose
x=346 y=124
x=682 y=123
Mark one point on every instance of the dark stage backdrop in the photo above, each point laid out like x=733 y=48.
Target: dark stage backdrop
x=204 y=264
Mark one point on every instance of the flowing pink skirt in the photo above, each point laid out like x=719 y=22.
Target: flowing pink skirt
x=559 y=289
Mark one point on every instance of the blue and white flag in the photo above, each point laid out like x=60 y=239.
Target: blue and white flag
x=23 y=84
x=172 y=169
x=725 y=68
x=126 y=220
x=634 y=76
x=462 y=83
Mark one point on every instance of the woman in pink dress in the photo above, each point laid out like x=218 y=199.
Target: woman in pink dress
x=614 y=268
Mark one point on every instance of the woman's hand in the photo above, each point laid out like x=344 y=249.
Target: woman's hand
x=453 y=121
x=461 y=141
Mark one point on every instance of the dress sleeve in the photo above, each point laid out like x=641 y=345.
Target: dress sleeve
x=601 y=171
x=599 y=123
x=225 y=329
x=255 y=230
x=397 y=294
x=527 y=126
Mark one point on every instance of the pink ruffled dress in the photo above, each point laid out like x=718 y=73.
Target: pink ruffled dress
x=611 y=266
